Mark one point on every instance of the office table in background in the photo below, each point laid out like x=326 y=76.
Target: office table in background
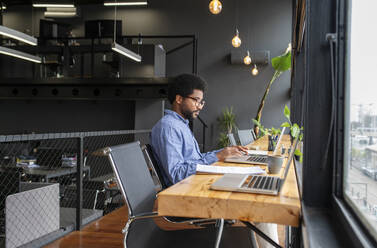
x=50 y=173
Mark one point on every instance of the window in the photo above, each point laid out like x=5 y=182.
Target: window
x=360 y=171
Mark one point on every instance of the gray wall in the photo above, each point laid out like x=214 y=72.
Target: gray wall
x=263 y=25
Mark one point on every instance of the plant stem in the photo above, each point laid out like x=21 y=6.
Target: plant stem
x=261 y=105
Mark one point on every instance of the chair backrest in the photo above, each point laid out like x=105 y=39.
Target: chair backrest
x=154 y=165
x=232 y=140
x=134 y=179
x=245 y=136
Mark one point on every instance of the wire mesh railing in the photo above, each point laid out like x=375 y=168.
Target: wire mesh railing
x=53 y=183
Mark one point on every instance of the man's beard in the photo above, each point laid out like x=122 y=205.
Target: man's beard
x=189 y=114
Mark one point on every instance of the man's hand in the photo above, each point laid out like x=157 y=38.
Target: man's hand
x=231 y=151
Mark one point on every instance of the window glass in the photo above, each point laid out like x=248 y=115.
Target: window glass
x=360 y=172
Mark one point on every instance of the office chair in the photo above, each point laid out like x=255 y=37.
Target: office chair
x=138 y=189
x=245 y=136
x=152 y=163
x=232 y=140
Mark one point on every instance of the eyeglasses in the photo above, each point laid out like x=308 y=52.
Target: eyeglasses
x=197 y=102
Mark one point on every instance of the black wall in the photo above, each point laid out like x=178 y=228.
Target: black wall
x=263 y=25
x=65 y=116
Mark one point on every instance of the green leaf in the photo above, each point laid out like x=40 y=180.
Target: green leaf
x=282 y=63
x=285 y=124
x=298 y=152
x=287 y=113
x=223 y=140
x=295 y=130
x=256 y=122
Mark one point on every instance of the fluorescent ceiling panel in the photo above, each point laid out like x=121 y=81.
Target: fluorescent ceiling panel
x=126 y=52
x=14 y=34
x=120 y=3
x=49 y=5
x=19 y=54
x=60 y=14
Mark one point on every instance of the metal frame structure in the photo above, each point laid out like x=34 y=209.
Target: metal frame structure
x=80 y=147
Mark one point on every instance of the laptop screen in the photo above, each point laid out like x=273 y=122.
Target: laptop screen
x=290 y=157
x=279 y=140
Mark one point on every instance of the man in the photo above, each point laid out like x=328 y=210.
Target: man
x=176 y=148
x=173 y=143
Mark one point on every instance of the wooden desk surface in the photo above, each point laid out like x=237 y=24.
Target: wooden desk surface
x=192 y=198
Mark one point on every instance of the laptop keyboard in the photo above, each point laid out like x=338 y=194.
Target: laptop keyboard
x=260 y=159
x=260 y=182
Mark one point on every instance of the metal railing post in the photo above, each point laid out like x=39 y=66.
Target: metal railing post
x=79 y=186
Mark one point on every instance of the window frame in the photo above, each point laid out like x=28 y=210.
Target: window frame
x=322 y=183
x=345 y=207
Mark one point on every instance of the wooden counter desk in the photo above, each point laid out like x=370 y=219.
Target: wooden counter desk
x=192 y=198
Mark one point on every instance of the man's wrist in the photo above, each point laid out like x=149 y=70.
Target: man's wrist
x=219 y=156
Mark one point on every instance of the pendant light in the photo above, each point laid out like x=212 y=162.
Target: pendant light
x=215 y=7
x=126 y=3
x=247 y=58
x=254 y=71
x=20 y=55
x=121 y=49
x=236 y=41
x=14 y=34
x=53 y=4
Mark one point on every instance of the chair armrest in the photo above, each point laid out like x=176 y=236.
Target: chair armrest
x=144 y=216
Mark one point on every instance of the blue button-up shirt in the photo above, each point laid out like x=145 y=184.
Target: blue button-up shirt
x=176 y=149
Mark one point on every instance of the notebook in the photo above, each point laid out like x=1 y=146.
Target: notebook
x=259 y=184
x=214 y=169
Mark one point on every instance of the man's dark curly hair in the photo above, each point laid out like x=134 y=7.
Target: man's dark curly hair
x=184 y=85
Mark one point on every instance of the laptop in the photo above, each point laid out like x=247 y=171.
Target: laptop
x=255 y=158
x=259 y=184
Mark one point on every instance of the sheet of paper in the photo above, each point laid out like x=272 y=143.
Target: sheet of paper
x=257 y=152
x=214 y=169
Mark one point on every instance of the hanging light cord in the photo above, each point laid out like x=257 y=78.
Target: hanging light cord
x=236 y=14
x=32 y=20
x=115 y=20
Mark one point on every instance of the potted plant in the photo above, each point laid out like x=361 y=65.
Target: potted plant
x=296 y=131
x=227 y=123
x=271 y=132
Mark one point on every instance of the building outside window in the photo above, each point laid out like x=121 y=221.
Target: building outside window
x=360 y=172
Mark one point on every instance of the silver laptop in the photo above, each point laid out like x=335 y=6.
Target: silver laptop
x=255 y=159
x=259 y=184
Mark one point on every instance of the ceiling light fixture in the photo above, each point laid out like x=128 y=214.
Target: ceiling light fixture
x=126 y=52
x=236 y=41
x=52 y=5
x=59 y=14
x=134 y=3
x=3 y=7
x=254 y=71
x=20 y=55
x=14 y=34
x=120 y=49
x=215 y=7
x=247 y=59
